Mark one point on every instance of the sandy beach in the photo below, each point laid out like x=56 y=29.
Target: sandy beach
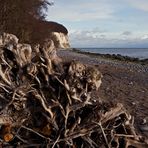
x=124 y=82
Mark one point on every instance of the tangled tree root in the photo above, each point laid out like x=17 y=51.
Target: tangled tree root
x=47 y=103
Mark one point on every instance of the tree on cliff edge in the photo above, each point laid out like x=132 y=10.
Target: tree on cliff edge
x=21 y=16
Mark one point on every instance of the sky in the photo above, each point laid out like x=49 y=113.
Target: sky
x=103 y=23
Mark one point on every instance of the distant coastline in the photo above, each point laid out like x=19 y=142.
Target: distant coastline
x=113 y=56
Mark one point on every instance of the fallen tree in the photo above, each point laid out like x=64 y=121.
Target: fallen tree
x=47 y=103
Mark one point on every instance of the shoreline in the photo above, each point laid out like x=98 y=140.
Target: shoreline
x=118 y=57
x=95 y=59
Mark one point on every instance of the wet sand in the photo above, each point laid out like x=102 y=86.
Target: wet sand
x=123 y=82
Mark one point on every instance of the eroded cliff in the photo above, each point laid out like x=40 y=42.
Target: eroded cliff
x=60 y=39
x=57 y=32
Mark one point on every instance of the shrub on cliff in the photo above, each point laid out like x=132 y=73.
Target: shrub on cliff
x=20 y=17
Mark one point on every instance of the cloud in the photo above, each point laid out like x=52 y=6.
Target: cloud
x=144 y=37
x=87 y=34
x=101 y=23
x=97 y=30
x=80 y=10
x=89 y=38
x=139 y=4
x=126 y=33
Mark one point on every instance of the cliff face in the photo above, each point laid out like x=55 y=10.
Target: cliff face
x=57 y=32
x=60 y=39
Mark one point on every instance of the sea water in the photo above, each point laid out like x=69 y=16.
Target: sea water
x=141 y=53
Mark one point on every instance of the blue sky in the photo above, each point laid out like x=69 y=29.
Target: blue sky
x=103 y=23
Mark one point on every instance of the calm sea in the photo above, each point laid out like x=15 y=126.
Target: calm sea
x=131 y=52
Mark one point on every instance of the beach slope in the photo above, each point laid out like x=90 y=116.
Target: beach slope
x=125 y=82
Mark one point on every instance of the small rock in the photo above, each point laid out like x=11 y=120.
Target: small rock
x=144 y=121
x=95 y=101
x=131 y=83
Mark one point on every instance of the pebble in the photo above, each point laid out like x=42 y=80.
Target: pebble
x=131 y=83
x=133 y=103
x=144 y=121
x=87 y=59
